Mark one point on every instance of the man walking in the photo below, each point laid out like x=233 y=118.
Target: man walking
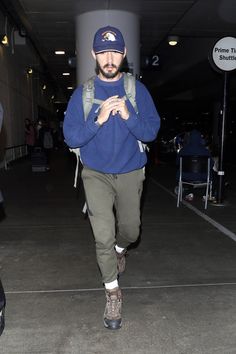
x=113 y=157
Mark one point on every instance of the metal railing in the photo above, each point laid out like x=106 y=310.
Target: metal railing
x=13 y=153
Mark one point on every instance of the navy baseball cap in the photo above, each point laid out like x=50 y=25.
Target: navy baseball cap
x=108 y=39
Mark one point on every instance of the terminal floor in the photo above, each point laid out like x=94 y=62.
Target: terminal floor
x=179 y=288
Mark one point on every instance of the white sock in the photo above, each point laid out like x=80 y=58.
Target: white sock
x=119 y=249
x=112 y=285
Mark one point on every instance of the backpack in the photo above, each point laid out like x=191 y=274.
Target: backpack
x=88 y=100
x=47 y=140
x=2 y=308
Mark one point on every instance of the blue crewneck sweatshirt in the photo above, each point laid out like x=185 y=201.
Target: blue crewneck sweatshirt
x=112 y=147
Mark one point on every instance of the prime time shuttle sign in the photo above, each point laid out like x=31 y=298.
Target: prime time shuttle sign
x=224 y=54
x=224 y=57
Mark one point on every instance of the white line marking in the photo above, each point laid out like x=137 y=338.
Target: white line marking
x=148 y=287
x=217 y=225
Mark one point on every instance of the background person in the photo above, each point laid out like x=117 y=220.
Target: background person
x=45 y=140
x=2 y=216
x=2 y=211
x=29 y=135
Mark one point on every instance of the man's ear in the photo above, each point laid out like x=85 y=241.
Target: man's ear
x=93 y=54
x=125 y=52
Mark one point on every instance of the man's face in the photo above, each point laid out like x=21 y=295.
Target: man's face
x=109 y=63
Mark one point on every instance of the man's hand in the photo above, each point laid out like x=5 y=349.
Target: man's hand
x=113 y=105
x=122 y=109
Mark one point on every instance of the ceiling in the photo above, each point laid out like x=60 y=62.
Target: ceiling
x=184 y=73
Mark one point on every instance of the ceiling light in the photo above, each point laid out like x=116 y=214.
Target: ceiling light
x=30 y=71
x=173 y=40
x=4 y=40
x=70 y=87
x=66 y=74
x=44 y=87
x=59 y=52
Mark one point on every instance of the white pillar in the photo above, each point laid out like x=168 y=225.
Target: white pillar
x=86 y=26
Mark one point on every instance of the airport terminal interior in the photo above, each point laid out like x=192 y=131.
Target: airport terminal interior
x=179 y=285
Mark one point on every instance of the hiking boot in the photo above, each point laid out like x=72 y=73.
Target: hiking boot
x=112 y=313
x=121 y=261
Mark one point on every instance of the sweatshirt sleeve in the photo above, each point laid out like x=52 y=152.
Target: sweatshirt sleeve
x=146 y=124
x=78 y=132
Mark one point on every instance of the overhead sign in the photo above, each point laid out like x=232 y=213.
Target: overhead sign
x=155 y=61
x=224 y=54
x=151 y=62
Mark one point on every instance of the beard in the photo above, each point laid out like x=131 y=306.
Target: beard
x=108 y=75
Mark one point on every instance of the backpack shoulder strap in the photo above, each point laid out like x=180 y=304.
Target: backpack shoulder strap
x=130 y=89
x=88 y=96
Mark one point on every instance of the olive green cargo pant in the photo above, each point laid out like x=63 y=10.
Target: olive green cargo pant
x=104 y=193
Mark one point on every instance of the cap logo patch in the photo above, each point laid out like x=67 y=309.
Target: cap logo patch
x=109 y=36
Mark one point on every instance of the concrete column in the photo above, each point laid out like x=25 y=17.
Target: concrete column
x=86 y=26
